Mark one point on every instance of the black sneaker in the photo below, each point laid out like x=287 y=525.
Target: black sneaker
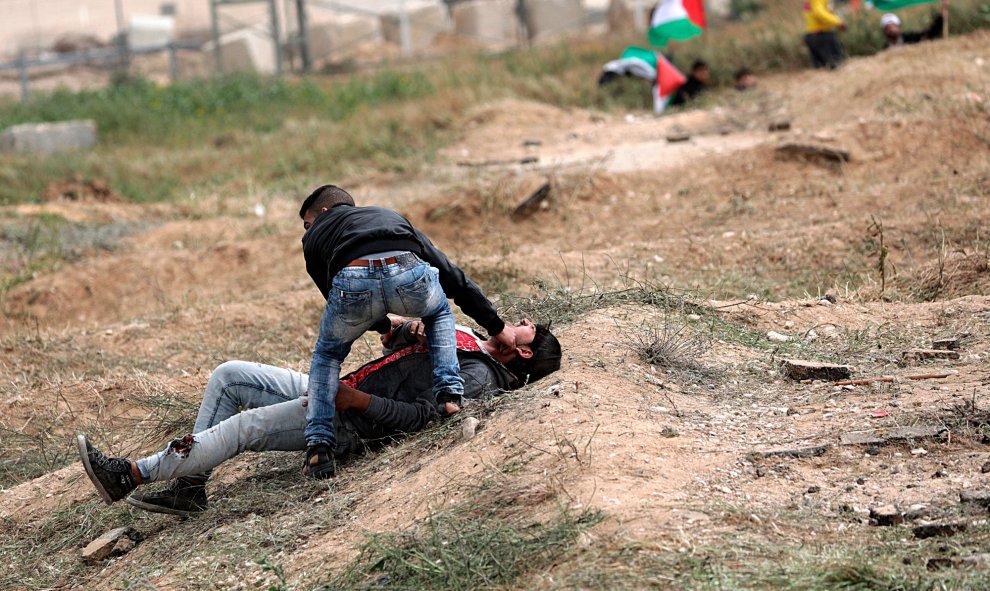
x=181 y=497
x=112 y=477
x=319 y=462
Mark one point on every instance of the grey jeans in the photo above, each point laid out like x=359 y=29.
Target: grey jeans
x=246 y=406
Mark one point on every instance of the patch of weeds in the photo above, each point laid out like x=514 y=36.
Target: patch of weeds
x=493 y=539
x=814 y=557
x=43 y=554
x=38 y=243
x=548 y=304
x=671 y=344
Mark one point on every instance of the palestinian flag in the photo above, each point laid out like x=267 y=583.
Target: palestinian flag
x=676 y=20
x=669 y=79
x=635 y=61
x=896 y=4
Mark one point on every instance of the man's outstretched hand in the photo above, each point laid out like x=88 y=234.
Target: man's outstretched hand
x=507 y=339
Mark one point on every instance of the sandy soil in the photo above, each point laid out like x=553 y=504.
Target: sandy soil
x=753 y=238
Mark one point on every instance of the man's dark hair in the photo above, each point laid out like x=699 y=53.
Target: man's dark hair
x=742 y=72
x=698 y=64
x=545 y=359
x=326 y=196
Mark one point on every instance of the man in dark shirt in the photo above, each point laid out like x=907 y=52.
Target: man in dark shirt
x=250 y=406
x=696 y=84
x=894 y=37
x=369 y=261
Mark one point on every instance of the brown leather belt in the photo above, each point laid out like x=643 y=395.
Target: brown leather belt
x=373 y=262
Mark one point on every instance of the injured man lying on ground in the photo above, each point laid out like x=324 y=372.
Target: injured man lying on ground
x=250 y=406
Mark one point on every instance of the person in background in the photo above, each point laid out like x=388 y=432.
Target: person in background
x=820 y=36
x=744 y=79
x=895 y=37
x=696 y=84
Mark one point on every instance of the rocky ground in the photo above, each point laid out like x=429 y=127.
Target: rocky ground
x=674 y=449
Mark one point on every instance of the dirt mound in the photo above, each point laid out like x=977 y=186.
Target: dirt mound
x=958 y=274
x=80 y=189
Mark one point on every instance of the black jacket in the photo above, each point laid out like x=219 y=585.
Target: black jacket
x=907 y=38
x=345 y=233
x=402 y=399
x=690 y=89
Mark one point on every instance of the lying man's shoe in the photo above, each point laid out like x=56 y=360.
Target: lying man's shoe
x=319 y=462
x=112 y=477
x=181 y=497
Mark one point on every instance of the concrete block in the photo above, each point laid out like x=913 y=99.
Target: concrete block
x=341 y=34
x=621 y=15
x=426 y=21
x=48 y=138
x=150 y=31
x=548 y=20
x=489 y=22
x=245 y=50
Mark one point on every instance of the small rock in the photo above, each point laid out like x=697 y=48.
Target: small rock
x=985 y=468
x=103 y=546
x=926 y=354
x=798 y=369
x=978 y=497
x=777 y=337
x=919 y=451
x=469 y=428
x=886 y=515
x=946 y=344
x=123 y=546
x=693 y=317
x=825 y=302
x=916 y=512
x=813 y=489
x=931 y=530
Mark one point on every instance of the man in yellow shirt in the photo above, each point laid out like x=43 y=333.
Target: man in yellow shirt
x=823 y=44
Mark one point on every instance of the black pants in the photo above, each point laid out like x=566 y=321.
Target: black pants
x=825 y=49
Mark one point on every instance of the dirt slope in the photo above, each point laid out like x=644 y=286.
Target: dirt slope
x=120 y=343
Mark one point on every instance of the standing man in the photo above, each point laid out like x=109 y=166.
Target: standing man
x=823 y=44
x=367 y=262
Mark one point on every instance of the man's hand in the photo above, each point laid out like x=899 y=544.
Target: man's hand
x=396 y=322
x=507 y=339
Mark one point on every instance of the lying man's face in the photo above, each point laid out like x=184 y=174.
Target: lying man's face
x=525 y=333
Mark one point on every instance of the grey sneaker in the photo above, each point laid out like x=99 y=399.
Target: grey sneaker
x=111 y=476
x=181 y=497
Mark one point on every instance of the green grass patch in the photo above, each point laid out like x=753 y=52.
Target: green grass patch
x=484 y=543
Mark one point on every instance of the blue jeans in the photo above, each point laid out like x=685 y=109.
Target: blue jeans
x=246 y=406
x=360 y=296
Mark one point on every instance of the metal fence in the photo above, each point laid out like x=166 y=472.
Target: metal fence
x=284 y=25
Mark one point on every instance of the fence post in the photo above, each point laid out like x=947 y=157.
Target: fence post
x=303 y=35
x=275 y=37
x=215 y=31
x=25 y=79
x=173 y=62
x=405 y=39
